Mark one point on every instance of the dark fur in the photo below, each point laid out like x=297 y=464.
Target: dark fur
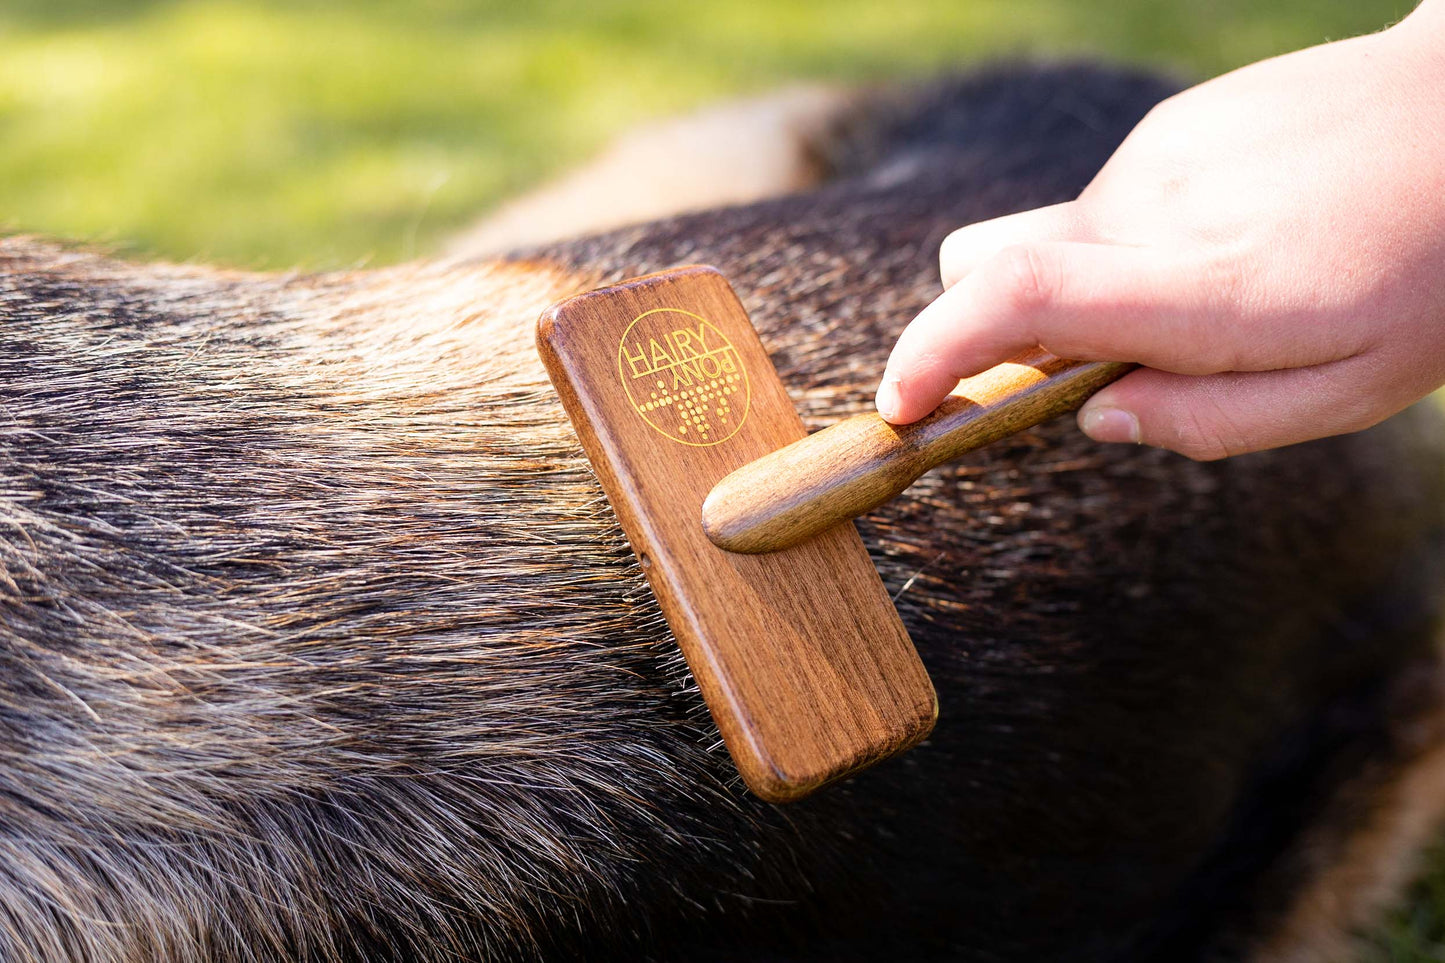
x=318 y=640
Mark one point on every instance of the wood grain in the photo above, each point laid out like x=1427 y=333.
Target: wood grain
x=804 y=663
x=850 y=468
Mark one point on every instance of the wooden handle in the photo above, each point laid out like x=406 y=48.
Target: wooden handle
x=856 y=465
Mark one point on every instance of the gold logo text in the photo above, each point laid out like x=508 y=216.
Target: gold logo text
x=683 y=376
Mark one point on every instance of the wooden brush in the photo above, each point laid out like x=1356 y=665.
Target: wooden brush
x=804 y=663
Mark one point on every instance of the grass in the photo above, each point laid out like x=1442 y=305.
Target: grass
x=305 y=133
x=300 y=132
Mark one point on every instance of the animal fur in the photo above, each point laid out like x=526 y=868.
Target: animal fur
x=318 y=640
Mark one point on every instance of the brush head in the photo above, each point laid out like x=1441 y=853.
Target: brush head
x=804 y=663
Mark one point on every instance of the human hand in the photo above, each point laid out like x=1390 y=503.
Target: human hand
x=1270 y=245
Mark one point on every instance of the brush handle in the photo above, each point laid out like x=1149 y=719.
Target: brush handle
x=856 y=465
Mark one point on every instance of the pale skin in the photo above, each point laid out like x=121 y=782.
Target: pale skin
x=1270 y=245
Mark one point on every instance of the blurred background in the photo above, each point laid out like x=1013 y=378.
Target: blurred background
x=303 y=133
x=319 y=134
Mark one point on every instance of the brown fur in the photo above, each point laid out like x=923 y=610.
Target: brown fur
x=320 y=642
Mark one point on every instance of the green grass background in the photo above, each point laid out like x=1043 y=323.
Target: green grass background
x=289 y=133
x=298 y=132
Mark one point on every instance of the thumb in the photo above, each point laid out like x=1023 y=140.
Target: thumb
x=1207 y=417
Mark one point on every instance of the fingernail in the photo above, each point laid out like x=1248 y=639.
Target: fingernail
x=889 y=397
x=1110 y=424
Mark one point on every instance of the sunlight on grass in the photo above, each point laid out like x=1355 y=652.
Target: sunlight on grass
x=274 y=134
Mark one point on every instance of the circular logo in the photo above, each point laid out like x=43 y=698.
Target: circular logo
x=683 y=376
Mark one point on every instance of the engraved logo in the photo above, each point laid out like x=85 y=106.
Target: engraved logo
x=683 y=377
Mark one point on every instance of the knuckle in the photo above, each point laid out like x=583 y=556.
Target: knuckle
x=1363 y=392
x=913 y=356
x=1215 y=320
x=1029 y=278
x=1206 y=435
x=927 y=364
